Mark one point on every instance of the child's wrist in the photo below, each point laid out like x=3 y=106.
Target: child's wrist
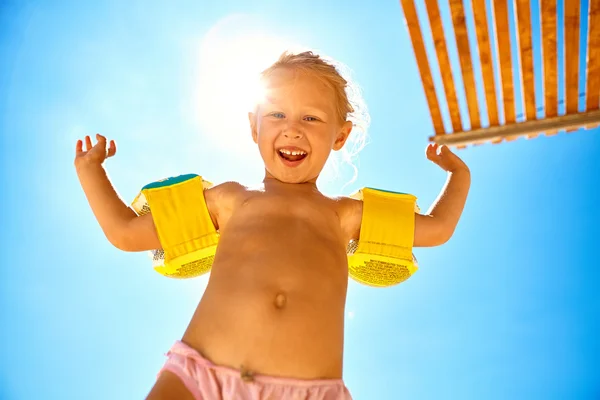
x=461 y=169
x=87 y=167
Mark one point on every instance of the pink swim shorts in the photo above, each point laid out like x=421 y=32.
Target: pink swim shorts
x=207 y=381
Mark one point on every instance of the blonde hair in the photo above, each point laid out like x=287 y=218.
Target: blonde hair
x=350 y=103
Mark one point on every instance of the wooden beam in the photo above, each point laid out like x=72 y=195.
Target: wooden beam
x=504 y=54
x=569 y=122
x=439 y=40
x=485 y=58
x=466 y=64
x=593 y=61
x=414 y=30
x=523 y=12
x=549 y=55
x=572 y=55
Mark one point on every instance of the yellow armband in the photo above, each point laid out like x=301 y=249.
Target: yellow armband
x=185 y=230
x=383 y=254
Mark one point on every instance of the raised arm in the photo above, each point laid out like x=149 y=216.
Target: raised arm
x=438 y=225
x=120 y=224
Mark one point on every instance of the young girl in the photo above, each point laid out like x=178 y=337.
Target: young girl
x=270 y=324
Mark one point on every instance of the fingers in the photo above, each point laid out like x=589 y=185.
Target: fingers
x=88 y=143
x=445 y=150
x=437 y=150
x=429 y=148
x=101 y=140
x=101 y=143
x=432 y=151
x=112 y=149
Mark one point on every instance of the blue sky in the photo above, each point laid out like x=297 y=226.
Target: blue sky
x=508 y=308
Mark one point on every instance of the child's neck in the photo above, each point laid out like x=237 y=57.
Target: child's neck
x=270 y=182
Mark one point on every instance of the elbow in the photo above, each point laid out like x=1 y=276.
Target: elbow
x=443 y=235
x=436 y=234
x=134 y=235
x=443 y=238
x=132 y=241
x=120 y=239
x=435 y=240
x=120 y=242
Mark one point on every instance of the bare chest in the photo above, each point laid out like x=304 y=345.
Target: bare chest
x=282 y=211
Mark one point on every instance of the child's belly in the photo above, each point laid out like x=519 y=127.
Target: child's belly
x=275 y=302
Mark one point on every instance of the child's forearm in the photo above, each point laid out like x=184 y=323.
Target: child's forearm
x=449 y=205
x=112 y=213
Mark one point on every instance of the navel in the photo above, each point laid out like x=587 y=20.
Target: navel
x=246 y=375
x=280 y=300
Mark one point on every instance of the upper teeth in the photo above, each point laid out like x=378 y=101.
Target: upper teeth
x=293 y=153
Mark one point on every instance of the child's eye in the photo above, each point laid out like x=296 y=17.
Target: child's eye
x=277 y=115
x=310 y=119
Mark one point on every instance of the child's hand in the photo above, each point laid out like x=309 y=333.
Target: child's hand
x=446 y=159
x=96 y=154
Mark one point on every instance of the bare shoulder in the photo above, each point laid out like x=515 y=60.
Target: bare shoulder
x=221 y=200
x=224 y=190
x=350 y=214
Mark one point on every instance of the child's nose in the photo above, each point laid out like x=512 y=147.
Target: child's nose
x=292 y=131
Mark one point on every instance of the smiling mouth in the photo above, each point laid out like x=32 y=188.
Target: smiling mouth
x=292 y=156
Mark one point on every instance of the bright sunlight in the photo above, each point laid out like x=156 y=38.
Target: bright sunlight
x=232 y=55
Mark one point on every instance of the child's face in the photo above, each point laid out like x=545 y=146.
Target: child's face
x=298 y=115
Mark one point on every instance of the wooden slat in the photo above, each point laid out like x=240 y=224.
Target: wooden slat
x=466 y=64
x=549 y=54
x=439 y=40
x=523 y=12
x=504 y=52
x=414 y=30
x=572 y=55
x=593 y=61
x=485 y=58
x=569 y=122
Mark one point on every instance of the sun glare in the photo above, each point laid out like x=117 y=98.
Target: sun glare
x=232 y=55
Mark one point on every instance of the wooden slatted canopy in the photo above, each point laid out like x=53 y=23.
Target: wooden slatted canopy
x=539 y=115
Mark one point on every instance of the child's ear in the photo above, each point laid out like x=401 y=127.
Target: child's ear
x=252 y=120
x=342 y=135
